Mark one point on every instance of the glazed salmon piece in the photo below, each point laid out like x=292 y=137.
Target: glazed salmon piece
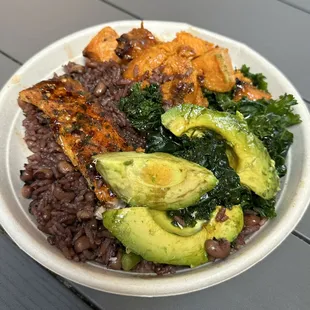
x=102 y=46
x=78 y=126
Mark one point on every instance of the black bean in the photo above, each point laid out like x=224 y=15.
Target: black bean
x=84 y=215
x=100 y=89
x=81 y=244
x=45 y=229
x=91 y=64
x=62 y=195
x=76 y=68
x=26 y=175
x=247 y=230
x=89 y=255
x=27 y=191
x=251 y=220
x=217 y=249
x=43 y=173
x=64 y=167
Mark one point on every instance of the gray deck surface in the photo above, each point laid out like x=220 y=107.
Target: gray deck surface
x=279 y=30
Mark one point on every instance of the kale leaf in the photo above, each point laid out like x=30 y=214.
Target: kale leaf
x=162 y=140
x=143 y=107
x=258 y=79
x=267 y=119
x=209 y=151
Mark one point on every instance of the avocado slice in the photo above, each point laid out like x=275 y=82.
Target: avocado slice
x=164 y=221
x=130 y=260
x=158 y=180
x=137 y=230
x=254 y=166
x=229 y=229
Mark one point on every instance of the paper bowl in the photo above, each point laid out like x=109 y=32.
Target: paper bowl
x=20 y=225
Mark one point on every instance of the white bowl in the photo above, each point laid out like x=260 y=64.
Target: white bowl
x=20 y=225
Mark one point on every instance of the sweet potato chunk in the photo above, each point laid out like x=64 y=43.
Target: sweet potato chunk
x=251 y=92
x=190 y=46
x=102 y=46
x=184 y=87
x=135 y=42
x=216 y=70
x=184 y=45
x=185 y=90
x=149 y=60
x=239 y=75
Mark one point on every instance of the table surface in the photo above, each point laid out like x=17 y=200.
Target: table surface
x=279 y=30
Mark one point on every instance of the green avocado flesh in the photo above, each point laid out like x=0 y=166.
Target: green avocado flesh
x=158 y=180
x=254 y=166
x=138 y=230
x=228 y=229
x=164 y=221
x=130 y=260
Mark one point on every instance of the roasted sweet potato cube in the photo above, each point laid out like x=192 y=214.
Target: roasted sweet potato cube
x=190 y=46
x=102 y=46
x=184 y=87
x=216 y=70
x=239 y=75
x=151 y=59
x=251 y=92
x=134 y=43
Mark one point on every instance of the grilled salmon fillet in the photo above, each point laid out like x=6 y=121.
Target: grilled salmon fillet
x=79 y=126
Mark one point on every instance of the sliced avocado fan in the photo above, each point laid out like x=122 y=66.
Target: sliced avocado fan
x=158 y=180
x=254 y=166
x=139 y=232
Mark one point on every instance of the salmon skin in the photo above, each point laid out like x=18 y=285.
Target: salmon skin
x=79 y=126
